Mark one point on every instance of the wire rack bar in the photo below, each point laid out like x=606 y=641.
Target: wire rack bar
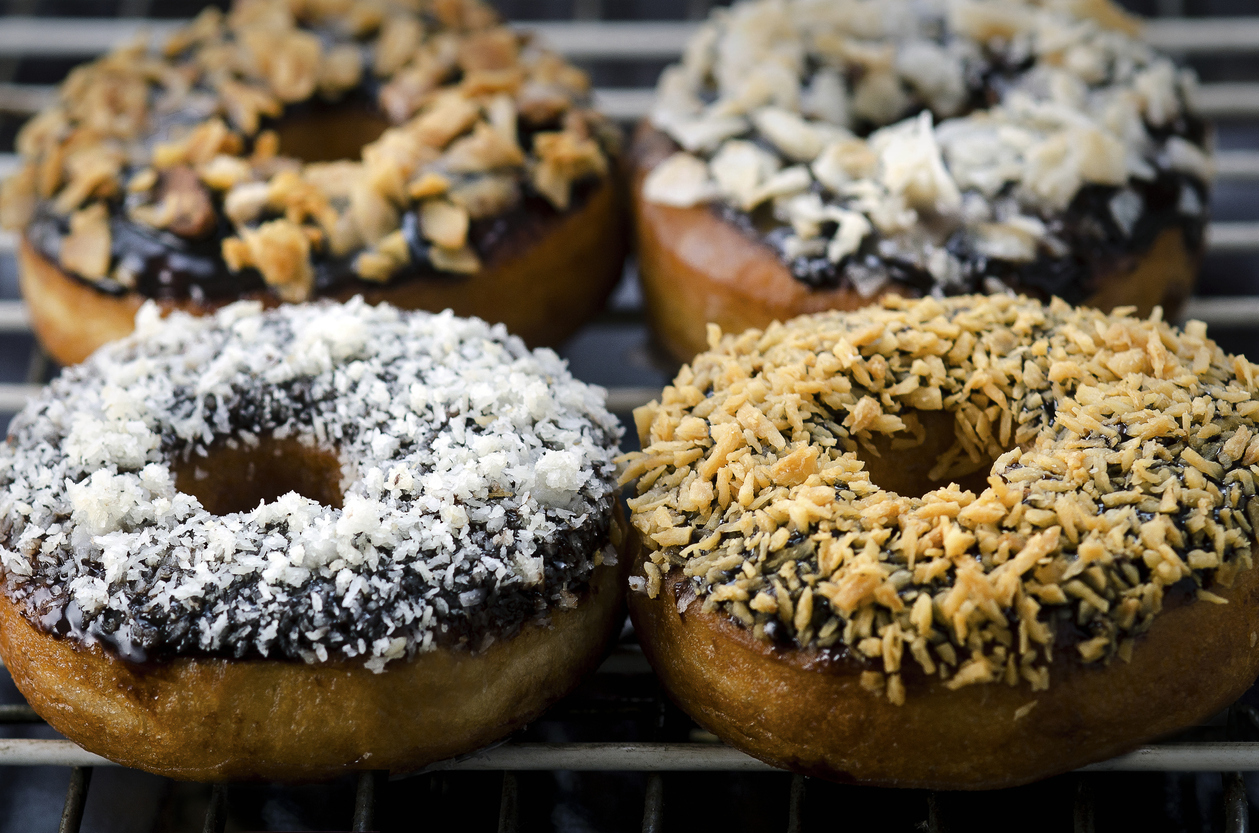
x=509 y=805
x=1083 y=807
x=1224 y=311
x=1233 y=237
x=1236 y=804
x=216 y=811
x=653 y=804
x=1229 y=164
x=1222 y=100
x=1237 y=165
x=23 y=36
x=697 y=757
x=12 y=399
x=76 y=800
x=29 y=752
x=13 y=317
x=24 y=99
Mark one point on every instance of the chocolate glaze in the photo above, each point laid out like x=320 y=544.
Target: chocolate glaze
x=1097 y=244
x=156 y=635
x=169 y=267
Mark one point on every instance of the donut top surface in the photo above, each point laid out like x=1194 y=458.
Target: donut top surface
x=1123 y=481
x=477 y=487
x=954 y=145
x=169 y=172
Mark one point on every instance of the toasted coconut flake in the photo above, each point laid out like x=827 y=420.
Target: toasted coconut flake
x=496 y=49
x=199 y=146
x=340 y=70
x=758 y=440
x=246 y=104
x=244 y=202
x=486 y=149
x=18 y=198
x=85 y=250
x=280 y=250
x=449 y=115
x=461 y=261
x=444 y=223
x=487 y=196
x=564 y=160
x=289 y=60
x=399 y=39
x=183 y=205
x=93 y=172
x=428 y=184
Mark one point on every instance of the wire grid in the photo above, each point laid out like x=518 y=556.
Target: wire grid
x=615 y=351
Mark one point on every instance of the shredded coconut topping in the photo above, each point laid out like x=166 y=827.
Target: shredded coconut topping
x=1125 y=455
x=477 y=477
x=954 y=128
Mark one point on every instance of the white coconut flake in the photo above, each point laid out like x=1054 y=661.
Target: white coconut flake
x=681 y=180
x=478 y=485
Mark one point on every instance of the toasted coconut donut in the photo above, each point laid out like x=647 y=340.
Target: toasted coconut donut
x=1089 y=585
x=286 y=544
x=816 y=155
x=427 y=156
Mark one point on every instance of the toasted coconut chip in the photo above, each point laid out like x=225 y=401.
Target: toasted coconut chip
x=183 y=205
x=444 y=223
x=18 y=198
x=462 y=261
x=565 y=160
x=280 y=250
x=456 y=83
x=86 y=250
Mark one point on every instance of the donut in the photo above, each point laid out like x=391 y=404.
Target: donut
x=292 y=543
x=808 y=155
x=423 y=154
x=956 y=543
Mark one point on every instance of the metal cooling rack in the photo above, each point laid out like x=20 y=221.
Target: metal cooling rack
x=634 y=374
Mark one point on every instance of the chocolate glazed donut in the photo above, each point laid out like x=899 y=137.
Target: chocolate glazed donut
x=289 y=544
x=957 y=544
x=810 y=156
x=432 y=158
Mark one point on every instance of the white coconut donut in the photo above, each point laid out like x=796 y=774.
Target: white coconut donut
x=442 y=569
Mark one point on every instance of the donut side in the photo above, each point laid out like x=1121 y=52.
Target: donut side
x=72 y=319
x=697 y=268
x=214 y=719
x=792 y=709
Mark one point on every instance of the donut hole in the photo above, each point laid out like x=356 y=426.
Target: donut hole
x=900 y=463
x=322 y=131
x=235 y=477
